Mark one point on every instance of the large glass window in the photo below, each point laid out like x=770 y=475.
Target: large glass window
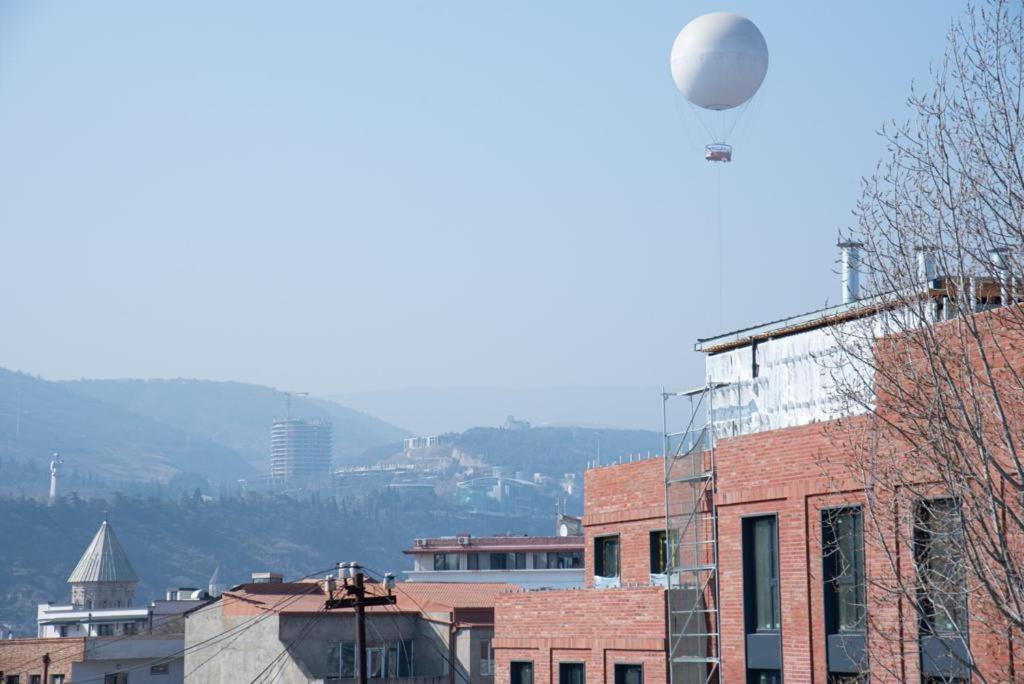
x=563 y=560
x=473 y=561
x=571 y=673
x=938 y=540
x=761 y=574
x=446 y=561
x=606 y=556
x=517 y=560
x=521 y=672
x=843 y=564
x=499 y=561
x=629 y=674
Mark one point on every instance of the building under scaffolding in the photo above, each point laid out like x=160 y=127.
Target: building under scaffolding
x=300 y=449
x=694 y=629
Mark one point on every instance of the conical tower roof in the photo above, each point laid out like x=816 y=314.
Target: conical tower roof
x=104 y=560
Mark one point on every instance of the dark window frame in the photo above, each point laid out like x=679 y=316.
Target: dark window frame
x=947 y=604
x=516 y=678
x=582 y=665
x=661 y=554
x=836 y=581
x=601 y=545
x=752 y=607
x=443 y=562
x=619 y=672
x=758 y=676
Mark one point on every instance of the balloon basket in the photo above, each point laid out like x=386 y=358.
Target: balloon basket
x=718 y=152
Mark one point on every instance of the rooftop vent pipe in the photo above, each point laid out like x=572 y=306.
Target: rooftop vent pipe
x=851 y=270
x=997 y=257
x=926 y=265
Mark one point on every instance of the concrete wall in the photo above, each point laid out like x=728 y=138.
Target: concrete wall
x=309 y=639
x=138 y=670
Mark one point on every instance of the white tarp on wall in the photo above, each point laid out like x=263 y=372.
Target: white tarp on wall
x=801 y=378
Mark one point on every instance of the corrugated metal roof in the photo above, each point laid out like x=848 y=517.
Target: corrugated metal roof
x=104 y=560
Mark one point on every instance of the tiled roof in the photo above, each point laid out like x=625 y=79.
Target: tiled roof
x=411 y=597
x=524 y=543
x=104 y=560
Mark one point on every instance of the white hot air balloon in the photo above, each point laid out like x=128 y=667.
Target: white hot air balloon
x=718 y=63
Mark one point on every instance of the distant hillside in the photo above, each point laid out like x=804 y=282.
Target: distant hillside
x=555 y=450
x=238 y=416
x=178 y=542
x=38 y=417
x=549 y=450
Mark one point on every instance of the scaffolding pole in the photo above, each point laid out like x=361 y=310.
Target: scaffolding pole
x=691 y=542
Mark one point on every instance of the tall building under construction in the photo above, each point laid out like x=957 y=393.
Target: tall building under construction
x=300 y=448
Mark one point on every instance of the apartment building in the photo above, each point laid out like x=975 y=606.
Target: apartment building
x=300 y=449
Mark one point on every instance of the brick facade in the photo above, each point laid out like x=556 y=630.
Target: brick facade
x=24 y=657
x=599 y=628
x=596 y=627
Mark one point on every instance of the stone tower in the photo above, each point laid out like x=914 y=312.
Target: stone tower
x=103 y=578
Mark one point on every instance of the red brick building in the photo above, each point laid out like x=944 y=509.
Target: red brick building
x=45 y=661
x=784 y=576
x=597 y=634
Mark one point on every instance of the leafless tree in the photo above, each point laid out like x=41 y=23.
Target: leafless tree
x=935 y=423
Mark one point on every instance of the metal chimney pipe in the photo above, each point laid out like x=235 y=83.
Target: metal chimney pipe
x=851 y=270
x=997 y=257
x=926 y=264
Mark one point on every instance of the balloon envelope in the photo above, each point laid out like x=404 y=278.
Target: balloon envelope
x=719 y=60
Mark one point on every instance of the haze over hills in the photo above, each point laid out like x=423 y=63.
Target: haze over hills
x=436 y=410
x=238 y=415
x=102 y=440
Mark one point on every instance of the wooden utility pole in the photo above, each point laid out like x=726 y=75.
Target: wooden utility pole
x=355 y=597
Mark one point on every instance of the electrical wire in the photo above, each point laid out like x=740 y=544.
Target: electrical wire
x=310 y=623
x=206 y=642
x=444 y=656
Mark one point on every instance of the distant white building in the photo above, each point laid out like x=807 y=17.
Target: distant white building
x=529 y=562
x=512 y=424
x=300 y=449
x=417 y=443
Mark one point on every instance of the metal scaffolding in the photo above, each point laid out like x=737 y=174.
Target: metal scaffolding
x=691 y=542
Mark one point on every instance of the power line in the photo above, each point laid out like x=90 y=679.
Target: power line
x=202 y=644
x=423 y=611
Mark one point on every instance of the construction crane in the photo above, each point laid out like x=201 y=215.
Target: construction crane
x=288 y=403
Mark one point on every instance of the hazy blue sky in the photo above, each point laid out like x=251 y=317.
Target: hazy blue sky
x=337 y=197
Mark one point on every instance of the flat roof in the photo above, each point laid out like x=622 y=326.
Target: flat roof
x=496 y=544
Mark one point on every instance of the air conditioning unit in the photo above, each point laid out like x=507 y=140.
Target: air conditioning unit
x=464 y=541
x=420 y=543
